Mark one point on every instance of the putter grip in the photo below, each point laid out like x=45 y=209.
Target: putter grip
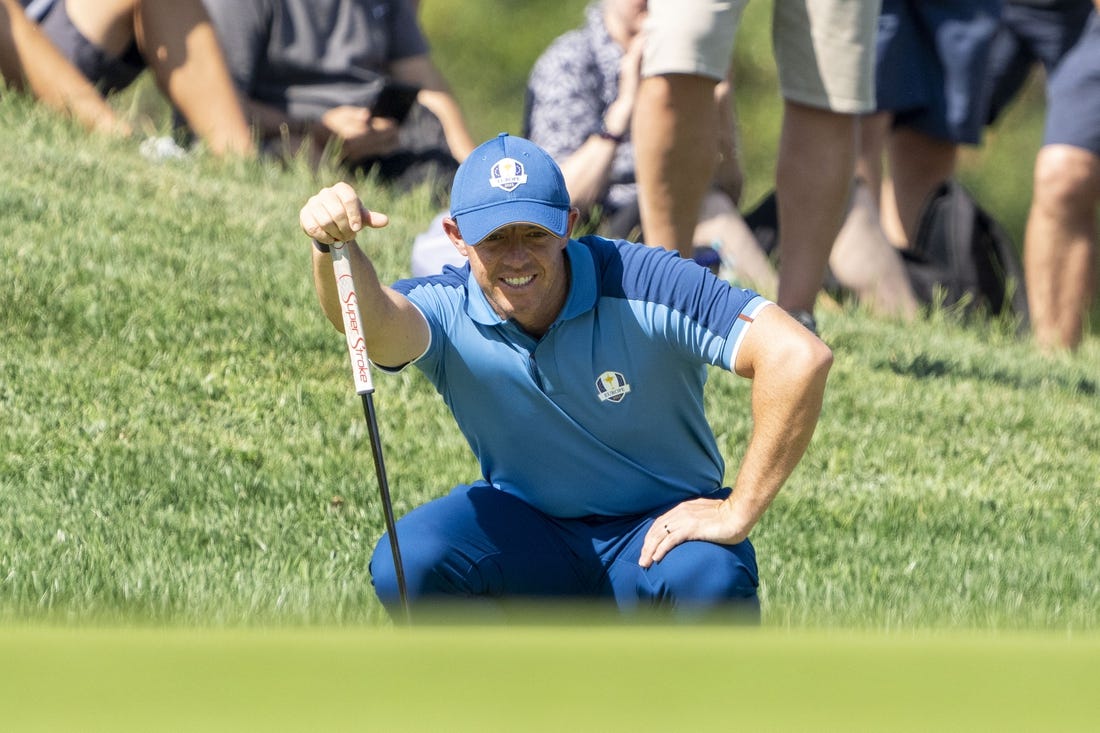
x=353 y=321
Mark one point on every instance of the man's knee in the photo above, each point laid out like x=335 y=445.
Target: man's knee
x=426 y=564
x=713 y=582
x=700 y=578
x=1066 y=179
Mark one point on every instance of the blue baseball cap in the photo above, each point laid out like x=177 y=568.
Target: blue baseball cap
x=508 y=180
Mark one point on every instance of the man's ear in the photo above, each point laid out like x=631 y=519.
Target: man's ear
x=574 y=216
x=450 y=227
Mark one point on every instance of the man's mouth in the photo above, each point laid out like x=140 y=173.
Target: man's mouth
x=517 y=282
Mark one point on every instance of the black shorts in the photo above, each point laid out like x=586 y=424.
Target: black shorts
x=106 y=73
x=930 y=65
x=1031 y=35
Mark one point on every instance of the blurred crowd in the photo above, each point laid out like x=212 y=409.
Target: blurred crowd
x=636 y=105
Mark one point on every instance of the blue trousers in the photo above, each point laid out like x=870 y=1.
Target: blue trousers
x=480 y=543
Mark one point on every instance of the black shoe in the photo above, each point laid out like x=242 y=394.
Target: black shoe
x=806 y=319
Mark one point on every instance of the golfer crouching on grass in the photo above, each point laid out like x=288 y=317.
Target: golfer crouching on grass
x=575 y=370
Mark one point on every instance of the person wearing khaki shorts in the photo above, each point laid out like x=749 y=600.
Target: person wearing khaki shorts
x=824 y=52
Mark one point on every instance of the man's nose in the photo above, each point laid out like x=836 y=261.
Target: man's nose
x=514 y=251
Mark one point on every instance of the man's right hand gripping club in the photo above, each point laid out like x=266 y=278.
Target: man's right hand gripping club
x=395 y=331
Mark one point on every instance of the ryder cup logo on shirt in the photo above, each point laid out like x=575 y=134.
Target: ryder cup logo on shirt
x=507 y=174
x=611 y=386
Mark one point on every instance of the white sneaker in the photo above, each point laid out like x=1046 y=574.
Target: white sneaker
x=160 y=149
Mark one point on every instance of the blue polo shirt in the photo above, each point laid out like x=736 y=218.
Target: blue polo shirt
x=604 y=414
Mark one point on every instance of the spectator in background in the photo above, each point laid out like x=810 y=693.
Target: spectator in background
x=112 y=41
x=310 y=70
x=1031 y=32
x=932 y=92
x=580 y=98
x=824 y=53
x=30 y=62
x=1060 y=239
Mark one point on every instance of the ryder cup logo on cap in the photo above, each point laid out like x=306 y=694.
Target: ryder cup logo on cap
x=508 y=180
x=507 y=174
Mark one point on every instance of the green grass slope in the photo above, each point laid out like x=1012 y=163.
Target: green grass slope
x=179 y=441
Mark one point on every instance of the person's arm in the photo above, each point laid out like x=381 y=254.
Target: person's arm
x=31 y=61
x=272 y=122
x=359 y=133
x=395 y=331
x=436 y=95
x=244 y=30
x=587 y=170
x=788 y=366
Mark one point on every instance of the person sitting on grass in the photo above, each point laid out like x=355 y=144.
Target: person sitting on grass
x=29 y=62
x=112 y=41
x=311 y=74
x=575 y=368
x=580 y=98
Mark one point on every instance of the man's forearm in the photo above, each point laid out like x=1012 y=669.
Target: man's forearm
x=444 y=106
x=272 y=123
x=787 y=395
x=394 y=330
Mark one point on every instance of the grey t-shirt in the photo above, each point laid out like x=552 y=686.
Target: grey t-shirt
x=307 y=56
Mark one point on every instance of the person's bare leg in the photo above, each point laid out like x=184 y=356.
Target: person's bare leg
x=178 y=42
x=719 y=221
x=817 y=152
x=109 y=24
x=918 y=164
x=888 y=216
x=28 y=59
x=674 y=130
x=863 y=259
x=873 y=131
x=865 y=262
x=1060 y=244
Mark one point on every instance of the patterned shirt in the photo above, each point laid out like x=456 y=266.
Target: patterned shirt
x=571 y=86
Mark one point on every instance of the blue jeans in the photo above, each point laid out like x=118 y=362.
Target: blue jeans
x=481 y=543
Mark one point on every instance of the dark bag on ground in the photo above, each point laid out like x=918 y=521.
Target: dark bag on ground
x=962 y=254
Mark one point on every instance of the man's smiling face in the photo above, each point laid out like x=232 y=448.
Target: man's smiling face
x=523 y=271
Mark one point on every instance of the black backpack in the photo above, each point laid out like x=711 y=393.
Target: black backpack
x=961 y=254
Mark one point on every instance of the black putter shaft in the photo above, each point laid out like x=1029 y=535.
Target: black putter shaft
x=387 y=504
x=364 y=386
